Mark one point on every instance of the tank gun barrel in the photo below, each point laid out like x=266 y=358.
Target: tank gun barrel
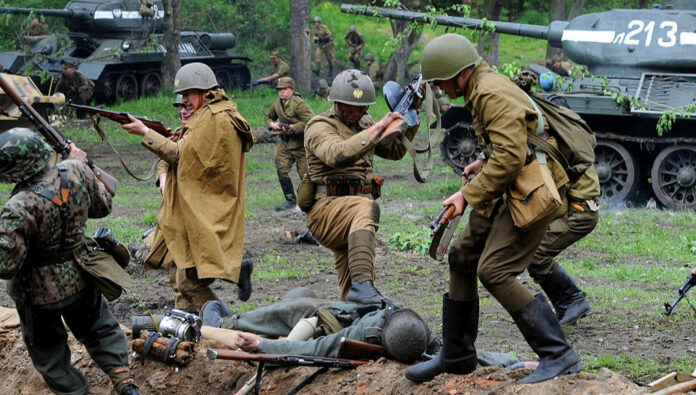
x=44 y=12
x=551 y=33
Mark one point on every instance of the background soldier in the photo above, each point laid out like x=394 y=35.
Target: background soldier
x=556 y=65
x=278 y=69
x=340 y=145
x=199 y=176
x=74 y=85
x=322 y=92
x=289 y=115
x=41 y=243
x=374 y=70
x=356 y=43
x=491 y=247
x=324 y=40
x=444 y=104
x=36 y=28
x=146 y=10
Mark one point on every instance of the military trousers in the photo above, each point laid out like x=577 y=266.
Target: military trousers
x=561 y=233
x=326 y=50
x=354 y=54
x=190 y=292
x=285 y=157
x=333 y=219
x=91 y=322
x=492 y=249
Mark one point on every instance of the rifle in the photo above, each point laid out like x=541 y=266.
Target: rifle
x=439 y=244
x=690 y=282
x=122 y=118
x=53 y=137
x=401 y=100
x=355 y=349
x=284 y=359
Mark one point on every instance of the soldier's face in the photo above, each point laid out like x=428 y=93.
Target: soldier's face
x=184 y=114
x=350 y=114
x=285 y=93
x=192 y=99
x=68 y=71
x=275 y=60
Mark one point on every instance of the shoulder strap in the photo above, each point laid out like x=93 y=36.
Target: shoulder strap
x=60 y=200
x=542 y=146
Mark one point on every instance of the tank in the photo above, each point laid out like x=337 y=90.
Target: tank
x=120 y=49
x=648 y=54
x=11 y=117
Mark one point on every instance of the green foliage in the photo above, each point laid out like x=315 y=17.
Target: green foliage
x=664 y=124
x=149 y=218
x=417 y=241
x=508 y=69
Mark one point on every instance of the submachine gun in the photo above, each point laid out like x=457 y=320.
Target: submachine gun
x=681 y=293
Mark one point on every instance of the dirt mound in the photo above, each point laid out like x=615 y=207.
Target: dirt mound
x=218 y=376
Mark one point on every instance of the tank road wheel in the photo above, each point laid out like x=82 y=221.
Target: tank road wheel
x=126 y=88
x=224 y=78
x=617 y=171
x=151 y=84
x=459 y=146
x=674 y=177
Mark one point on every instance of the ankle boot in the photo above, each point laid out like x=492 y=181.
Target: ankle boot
x=543 y=333
x=244 y=283
x=289 y=192
x=459 y=331
x=365 y=293
x=567 y=298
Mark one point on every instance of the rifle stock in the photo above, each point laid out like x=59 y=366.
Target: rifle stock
x=122 y=118
x=284 y=359
x=53 y=137
x=356 y=349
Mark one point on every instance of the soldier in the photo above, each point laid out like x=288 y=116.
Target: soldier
x=205 y=243
x=289 y=115
x=444 y=104
x=340 y=145
x=374 y=70
x=325 y=47
x=74 y=85
x=356 y=43
x=146 y=8
x=278 y=69
x=556 y=65
x=491 y=247
x=322 y=92
x=36 y=28
x=42 y=228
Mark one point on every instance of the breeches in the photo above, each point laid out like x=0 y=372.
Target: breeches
x=285 y=157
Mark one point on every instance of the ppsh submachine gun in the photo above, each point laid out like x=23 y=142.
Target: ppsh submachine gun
x=681 y=293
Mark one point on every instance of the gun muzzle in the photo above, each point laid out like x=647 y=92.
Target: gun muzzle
x=212 y=353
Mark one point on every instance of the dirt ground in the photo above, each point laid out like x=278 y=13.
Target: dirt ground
x=415 y=281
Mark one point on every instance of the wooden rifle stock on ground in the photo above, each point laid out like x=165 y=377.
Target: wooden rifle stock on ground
x=53 y=137
x=356 y=349
x=122 y=118
x=690 y=282
x=284 y=359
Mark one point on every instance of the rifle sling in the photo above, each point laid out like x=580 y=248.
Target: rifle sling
x=429 y=103
x=308 y=380
x=105 y=139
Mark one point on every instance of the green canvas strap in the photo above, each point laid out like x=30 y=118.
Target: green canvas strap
x=542 y=146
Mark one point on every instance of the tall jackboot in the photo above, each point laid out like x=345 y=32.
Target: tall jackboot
x=289 y=192
x=459 y=331
x=567 y=298
x=361 y=258
x=543 y=333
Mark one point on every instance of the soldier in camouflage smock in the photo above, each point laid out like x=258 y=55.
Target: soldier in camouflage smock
x=289 y=115
x=74 y=85
x=325 y=47
x=40 y=246
x=356 y=43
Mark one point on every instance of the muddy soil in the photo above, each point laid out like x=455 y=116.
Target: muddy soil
x=414 y=280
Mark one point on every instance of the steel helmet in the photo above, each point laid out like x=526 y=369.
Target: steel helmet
x=178 y=101
x=352 y=87
x=194 y=76
x=317 y=19
x=299 y=292
x=370 y=56
x=445 y=56
x=23 y=154
x=323 y=84
x=405 y=335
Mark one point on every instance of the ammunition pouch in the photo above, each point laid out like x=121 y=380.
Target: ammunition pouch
x=343 y=185
x=305 y=194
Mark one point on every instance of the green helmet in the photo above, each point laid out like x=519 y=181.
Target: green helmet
x=442 y=100
x=445 y=56
x=405 y=335
x=299 y=292
x=178 y=101
x=23 y=154
x=194 y=76
x=352 y=87
x=323 y=84
x=370 y=56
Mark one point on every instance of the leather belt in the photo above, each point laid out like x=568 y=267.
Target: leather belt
x=321 y=191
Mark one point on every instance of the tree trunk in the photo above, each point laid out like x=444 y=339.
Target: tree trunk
x=300 y=45
x=576 y=9
x=557 y=12
x=397 y=66
x=487 y=44
x=172 y=30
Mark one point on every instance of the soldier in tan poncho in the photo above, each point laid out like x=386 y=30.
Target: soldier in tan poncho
x=202 y=214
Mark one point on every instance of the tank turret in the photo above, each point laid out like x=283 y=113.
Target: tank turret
x=119 y=45
x=648 y=55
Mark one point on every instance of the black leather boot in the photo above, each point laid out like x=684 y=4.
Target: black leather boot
x=365 y=293
x=567 y=298
x=130 y=389
x=244 y=283
x=459 y=331
x=289 y=192
x=213 y=312
x=543 y=333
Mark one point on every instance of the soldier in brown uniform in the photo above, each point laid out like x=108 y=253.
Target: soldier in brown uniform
x=491 y=247
x=202 y=213
x=36 y=28
x=289 y=115
x=340 y=145
x=356 y=43
x=74 y=85
x=374 y=70
x=324 y=40
x=278 y=69
x=322 y=92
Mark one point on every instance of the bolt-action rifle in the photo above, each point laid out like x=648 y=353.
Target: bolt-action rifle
x=284 y=359
x=53 y=137
x=122 y=118
x=690 y=282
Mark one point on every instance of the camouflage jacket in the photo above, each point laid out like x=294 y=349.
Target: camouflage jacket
x=323 y=36
x=74 y=85
x=31 y=231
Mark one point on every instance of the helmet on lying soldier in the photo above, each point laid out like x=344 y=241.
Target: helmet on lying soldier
x=405 y=335
x=23 y=154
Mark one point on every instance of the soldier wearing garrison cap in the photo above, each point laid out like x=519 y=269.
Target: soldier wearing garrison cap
x=278 y=69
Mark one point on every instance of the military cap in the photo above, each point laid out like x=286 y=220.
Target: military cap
x=275 y=55
x=285 y=82
x=68 y=63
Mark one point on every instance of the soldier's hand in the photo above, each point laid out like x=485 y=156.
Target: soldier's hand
x=275 y=126
x=248 y=342
x=457 y=199
x=135 y=126
x=161 y=181
x=77 y=154
x=419 y=99
x=472 y=167
x=378 y=128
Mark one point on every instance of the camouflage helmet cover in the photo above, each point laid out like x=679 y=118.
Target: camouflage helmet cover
x=317 y=19
x=369 y=56
x=285 y=82
x=447 y=55
x=23 y=154
x=178 y=101
x=194 y=76
x=352 y=87
x=405 y=335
